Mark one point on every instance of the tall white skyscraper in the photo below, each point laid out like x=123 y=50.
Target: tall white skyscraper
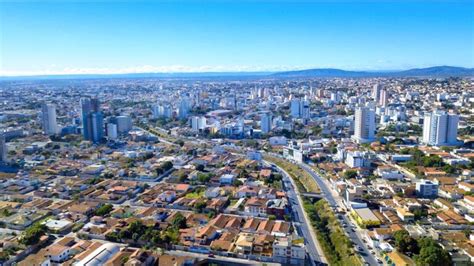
x=266 y=122
x=198 y=123
x=440 y=128
x=162 y=110
x=50 y=126
x=376 y=92
x=299 y=108
x=364 y=129
x=383 y=99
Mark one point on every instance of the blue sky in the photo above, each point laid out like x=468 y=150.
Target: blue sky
x=67 y=37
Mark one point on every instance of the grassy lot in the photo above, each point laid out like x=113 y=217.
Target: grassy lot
x=157 y=132
x=336 y=245
x=304 y=181
x=233 y=202
x=322 y=173
x=197 y=194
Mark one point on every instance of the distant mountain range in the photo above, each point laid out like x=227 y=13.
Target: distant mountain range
x=437 y=71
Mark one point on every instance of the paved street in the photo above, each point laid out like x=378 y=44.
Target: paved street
x=220 y=259
x=303 y=224
x=335 y=200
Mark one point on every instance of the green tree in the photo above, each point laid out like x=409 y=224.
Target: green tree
x=104 y=210
x=167 y=165
x=203 y=177
x=350 y=174
x=431 y=253
x=200 y=206
x=420 y=213
x=432 y=160
x=182 y=177
x=179 y=221
x=32 y=234
x=316 y=130
x=124 y=259
x=467 y=232
x=405 y=243
x=237 y=183
x=200 y=167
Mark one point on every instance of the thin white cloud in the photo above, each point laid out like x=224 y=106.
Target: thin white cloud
x=54 y=70
x=146 y=69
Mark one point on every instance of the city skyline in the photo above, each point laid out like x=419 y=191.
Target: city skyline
x=237 y=132
x=47 y=38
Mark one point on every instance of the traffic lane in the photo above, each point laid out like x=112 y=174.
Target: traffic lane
x=298 y=215
x=352 y=235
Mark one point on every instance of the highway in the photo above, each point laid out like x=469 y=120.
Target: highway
x=334 y=200
x=301 y=220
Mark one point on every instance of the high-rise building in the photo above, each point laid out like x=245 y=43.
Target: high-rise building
x=299 y=108
x=112 y=132
x=266 y=122
x=364 y=129
x=50 y=126
x=162 y=110
x=167 y=111
x=155 y=111
x=295 y=108
x=124 y=124
x=440 y=128
x=320 y=93
x=3 y=149
x=183 y=108
x=97 y=126
x=92 y=120
x=198 y=123
x=304 y=110
x=376 y=92
x=383 y=99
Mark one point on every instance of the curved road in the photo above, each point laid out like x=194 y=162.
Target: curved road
x=300 y=219
x=331 y=198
